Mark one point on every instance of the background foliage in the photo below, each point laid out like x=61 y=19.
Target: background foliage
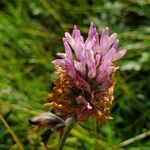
x=30 y=36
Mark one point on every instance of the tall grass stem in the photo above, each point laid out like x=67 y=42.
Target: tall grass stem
x=11 y=132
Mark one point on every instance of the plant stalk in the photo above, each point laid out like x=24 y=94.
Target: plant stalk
x=70 y=123
x=11 y=132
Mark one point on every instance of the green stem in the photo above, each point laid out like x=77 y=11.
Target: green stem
x=11 y=132
x=69 y=126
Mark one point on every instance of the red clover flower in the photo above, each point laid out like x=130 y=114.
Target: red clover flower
x=84 y=85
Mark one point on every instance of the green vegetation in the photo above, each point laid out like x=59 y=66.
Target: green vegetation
x=30 y=37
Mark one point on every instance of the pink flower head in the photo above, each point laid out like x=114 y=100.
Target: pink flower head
x=84 y=85
x=90 y=60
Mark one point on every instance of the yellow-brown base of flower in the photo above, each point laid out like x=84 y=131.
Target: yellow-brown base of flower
x=67 y=98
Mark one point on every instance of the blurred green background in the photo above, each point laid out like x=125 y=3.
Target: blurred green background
x=31 y=34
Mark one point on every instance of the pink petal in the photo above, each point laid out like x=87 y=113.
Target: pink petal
x=96 y=48
x=97 y=59
x=104 y=41
x=111 y=69
x=112 y=38
x=91 y=63
x=91 y=33
x=67 y=50
x=59 y=63
x=104 y=74
x=107 y=59
x=83 y=101
x=82 y=83
x=74 y=31
x=70 y=70
x=62 y=55
x=91 y=43
x=109 y=56
x=119 y=54
x=80 y=67
x=69 y=39
x=79 y=51
x=79 y=47
x=77 y=35
x=115 y=45
x=106 y=62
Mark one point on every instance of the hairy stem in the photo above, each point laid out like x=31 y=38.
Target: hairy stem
x=70 y=123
